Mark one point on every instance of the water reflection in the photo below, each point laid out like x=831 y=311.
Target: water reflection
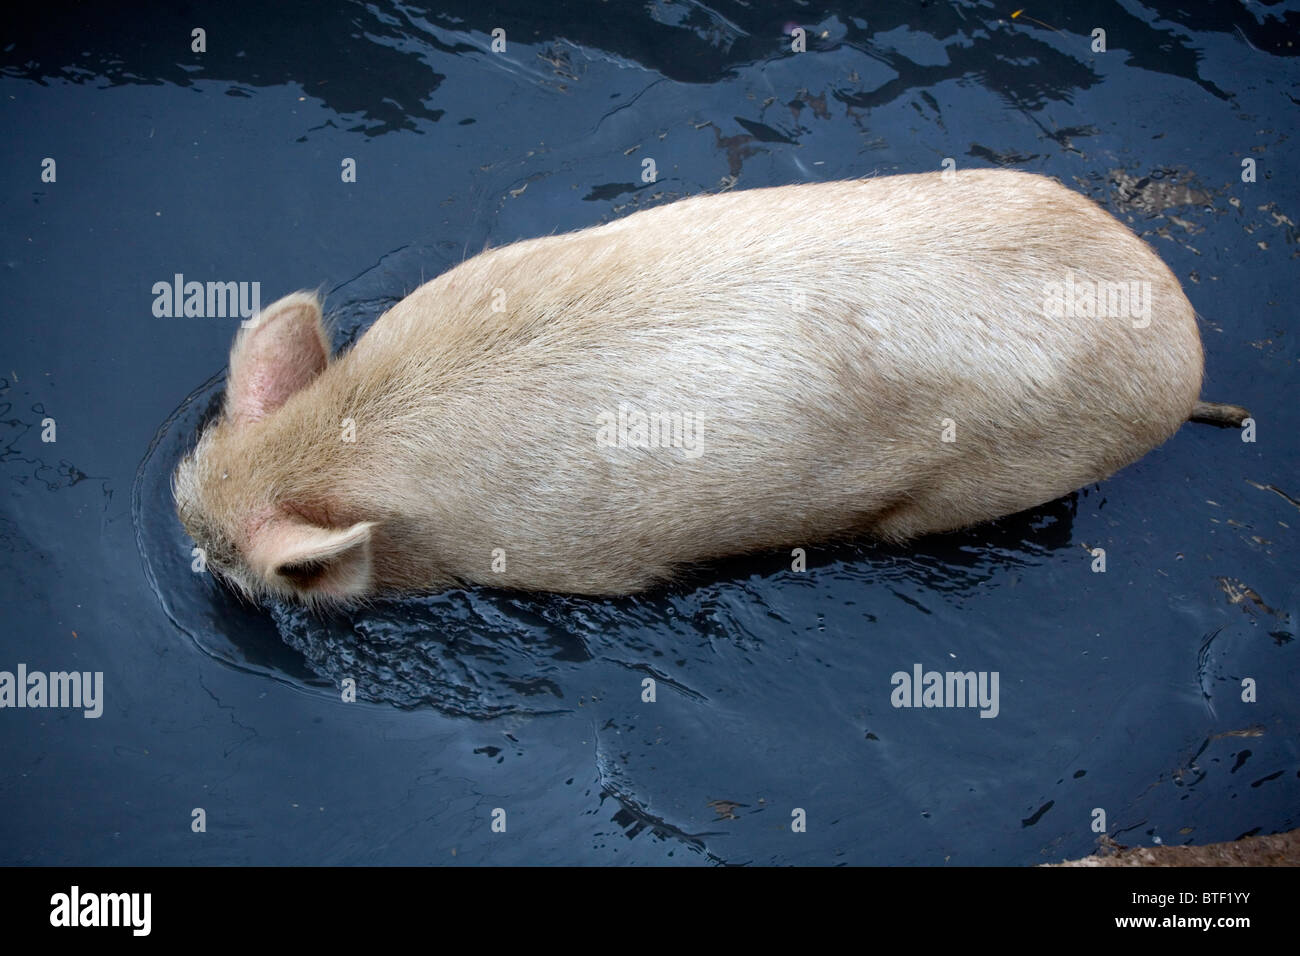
x=319 y=47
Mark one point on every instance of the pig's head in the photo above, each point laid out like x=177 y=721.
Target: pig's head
x=260 y=492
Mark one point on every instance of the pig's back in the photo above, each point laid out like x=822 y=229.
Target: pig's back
x=822 y=336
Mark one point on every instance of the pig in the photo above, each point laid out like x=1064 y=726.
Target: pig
x=771 y=368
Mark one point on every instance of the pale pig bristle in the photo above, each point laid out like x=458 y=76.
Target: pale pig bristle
x=475 y=401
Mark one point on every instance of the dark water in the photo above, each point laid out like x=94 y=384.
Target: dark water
x=1119 y=690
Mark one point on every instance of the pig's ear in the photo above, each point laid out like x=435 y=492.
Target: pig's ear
x=330 y=562
x=283 y=349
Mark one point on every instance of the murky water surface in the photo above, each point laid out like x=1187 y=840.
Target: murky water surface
x=1128 y=692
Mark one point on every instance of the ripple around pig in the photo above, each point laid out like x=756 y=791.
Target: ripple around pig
x=484 y=653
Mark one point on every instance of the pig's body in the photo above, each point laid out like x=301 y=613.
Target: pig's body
x=478 y=453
